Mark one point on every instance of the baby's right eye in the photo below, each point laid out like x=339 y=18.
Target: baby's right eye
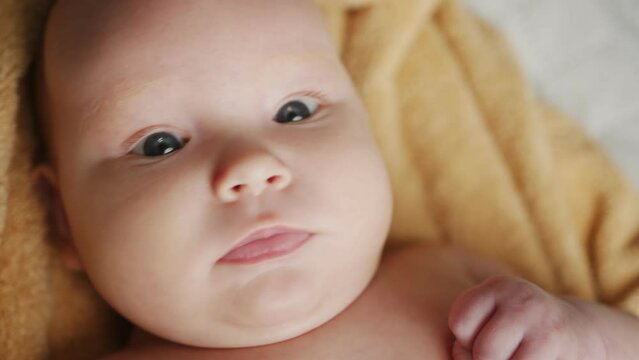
x=158 y=144
x=296 y=111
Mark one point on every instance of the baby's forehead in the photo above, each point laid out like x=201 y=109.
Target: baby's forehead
x=87 y=28
x=87 y=38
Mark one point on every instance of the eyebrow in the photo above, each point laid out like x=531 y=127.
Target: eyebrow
x=124 y=90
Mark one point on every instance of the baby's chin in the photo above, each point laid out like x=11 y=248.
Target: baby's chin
x=262 y=329
x=275 y=298
x=271 y=311
x=273 y=308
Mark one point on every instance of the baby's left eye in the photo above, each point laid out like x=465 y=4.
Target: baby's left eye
x=296 y=110
x=158 y=144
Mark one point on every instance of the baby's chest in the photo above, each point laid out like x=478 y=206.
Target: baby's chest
x=395 y=329
x=404 y=312
x=403 y=316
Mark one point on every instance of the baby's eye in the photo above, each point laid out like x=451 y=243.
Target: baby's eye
x=158 y=144
x=296 y=110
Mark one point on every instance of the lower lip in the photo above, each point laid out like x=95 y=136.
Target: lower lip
x=268 y=248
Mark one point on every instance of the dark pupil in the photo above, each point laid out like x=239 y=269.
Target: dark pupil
x=292 y=111
x=160 y=144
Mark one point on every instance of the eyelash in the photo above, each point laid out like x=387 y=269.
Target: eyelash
x=129 y=144
x=319 y=95
x=322 y=103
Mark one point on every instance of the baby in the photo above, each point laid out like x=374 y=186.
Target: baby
x=214 y=174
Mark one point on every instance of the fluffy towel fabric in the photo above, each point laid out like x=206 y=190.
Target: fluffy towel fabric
x=475 y=161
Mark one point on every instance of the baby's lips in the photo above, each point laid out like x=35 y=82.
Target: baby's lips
x=266 y=244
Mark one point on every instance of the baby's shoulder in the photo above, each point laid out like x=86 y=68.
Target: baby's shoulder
x=441 y=261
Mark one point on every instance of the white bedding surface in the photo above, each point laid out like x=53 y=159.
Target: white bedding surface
x=583 y=57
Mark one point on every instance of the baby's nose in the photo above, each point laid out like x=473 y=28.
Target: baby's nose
x=251 y=176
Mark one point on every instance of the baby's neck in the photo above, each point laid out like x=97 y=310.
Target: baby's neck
x=140 y=338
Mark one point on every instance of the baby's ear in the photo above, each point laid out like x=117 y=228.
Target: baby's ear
x=45 y=183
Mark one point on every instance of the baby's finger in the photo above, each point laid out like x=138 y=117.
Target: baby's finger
x=550 y=346
x=469 y=312
x=530 y=350
x=461 y=353
x=499 y=338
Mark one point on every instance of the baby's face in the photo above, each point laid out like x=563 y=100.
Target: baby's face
x=179 y=127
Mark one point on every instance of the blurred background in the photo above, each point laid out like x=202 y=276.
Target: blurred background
x=583 y=57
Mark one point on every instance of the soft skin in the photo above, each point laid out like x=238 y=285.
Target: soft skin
x=149 y=231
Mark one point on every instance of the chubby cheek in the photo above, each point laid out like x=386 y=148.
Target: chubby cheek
x=352 y=189
x=138 y=240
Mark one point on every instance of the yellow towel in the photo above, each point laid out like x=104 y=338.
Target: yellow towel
x=475 y=161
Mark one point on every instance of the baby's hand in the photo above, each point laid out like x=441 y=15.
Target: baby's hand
x=510 y=318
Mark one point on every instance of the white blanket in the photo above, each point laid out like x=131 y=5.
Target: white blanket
x=583 y=57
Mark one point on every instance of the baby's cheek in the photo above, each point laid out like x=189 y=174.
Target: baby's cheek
x=137 y=240
x=142 y=270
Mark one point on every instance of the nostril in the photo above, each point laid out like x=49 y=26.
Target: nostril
x=272 y=179
x=237 y=188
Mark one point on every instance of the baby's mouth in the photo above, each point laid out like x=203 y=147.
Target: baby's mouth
x=266 y=244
